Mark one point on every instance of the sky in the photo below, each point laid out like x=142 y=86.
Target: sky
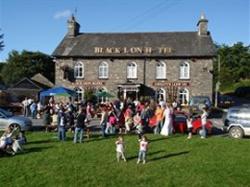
x=40 y=25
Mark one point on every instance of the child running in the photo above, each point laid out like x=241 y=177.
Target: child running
x=143 y=150
x=120 y=149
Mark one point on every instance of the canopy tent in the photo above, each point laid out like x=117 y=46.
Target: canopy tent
x=104 y=94
x=58 y=91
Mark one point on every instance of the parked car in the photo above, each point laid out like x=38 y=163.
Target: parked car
x=180 y=124
x=198 y=102
x=225 y=101
x=237 y=121
x=7 y=119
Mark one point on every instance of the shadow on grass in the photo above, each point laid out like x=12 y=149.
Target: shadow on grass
x=169 y=155
x=148 y=154
x=25 y=151
x=98 y=137
x=158 y=139
x=40 y=142
x=34 y=150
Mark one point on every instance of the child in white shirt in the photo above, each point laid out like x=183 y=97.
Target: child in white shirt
x=204 y=122
x=120 y=149
x=143 y=150
x=189 y=127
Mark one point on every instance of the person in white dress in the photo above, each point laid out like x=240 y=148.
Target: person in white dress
x=167 y=128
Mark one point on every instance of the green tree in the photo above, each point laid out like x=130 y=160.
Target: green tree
x=27 y=64
x=234 y=64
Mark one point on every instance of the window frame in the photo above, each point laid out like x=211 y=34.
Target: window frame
x=131 y=70
x=81 y=90
x=77 y=66
x=161 y=69
x=181 y=99
x=184 y=70
x=101 y=70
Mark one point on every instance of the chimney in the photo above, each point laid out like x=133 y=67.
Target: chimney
x=73 y=27
x=202 y=26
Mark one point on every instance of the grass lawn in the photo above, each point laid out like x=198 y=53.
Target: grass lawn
x=175 y=161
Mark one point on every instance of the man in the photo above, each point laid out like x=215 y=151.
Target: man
x=25 y=104
x=80 y=125
x=62 y=122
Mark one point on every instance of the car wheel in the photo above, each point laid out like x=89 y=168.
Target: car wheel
x=12 y=126
x=236 y=132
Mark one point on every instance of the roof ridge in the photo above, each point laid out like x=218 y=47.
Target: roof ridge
x=163 y=32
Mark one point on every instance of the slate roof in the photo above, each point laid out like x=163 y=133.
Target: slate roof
x=39 y=78
x=184 y=44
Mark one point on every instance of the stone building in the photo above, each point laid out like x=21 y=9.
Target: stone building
x=168 y=65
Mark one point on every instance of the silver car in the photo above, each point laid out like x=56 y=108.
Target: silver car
x=7 y=119
x=237 y=121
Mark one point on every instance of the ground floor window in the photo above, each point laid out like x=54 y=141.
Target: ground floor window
x=183 y=96
x=161 y=94
x=79 y=94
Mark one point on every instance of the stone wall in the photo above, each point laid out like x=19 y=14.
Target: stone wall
x=200 y=82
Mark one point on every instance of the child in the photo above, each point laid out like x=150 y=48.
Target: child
x=143 y=150
x=138 y=124
x=190 y=127
x=120 y=149
x=204 y=122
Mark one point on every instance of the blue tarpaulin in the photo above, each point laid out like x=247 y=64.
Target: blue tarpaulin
x=58 y=91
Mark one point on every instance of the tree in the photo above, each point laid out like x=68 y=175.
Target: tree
x=1 y=42
x=234 y=64
x=27 y=64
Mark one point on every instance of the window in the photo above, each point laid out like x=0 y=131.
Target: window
x=132 y=70
x=160 y=70
x=161 y=94
x=103 y=70
x=184 y=70
x=79 y=94
x=79 y=70
x=183 y=96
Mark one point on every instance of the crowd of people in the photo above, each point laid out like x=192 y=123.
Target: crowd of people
x=118 y=117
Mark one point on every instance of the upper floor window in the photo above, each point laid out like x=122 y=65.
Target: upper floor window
x=160 y=70
x=79 y=70
x=103 y=70
x=184 y=70
x=132 y=70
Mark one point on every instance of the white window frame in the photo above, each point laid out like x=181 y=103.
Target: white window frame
x=79 y=70
x=131 y=70
x=161 y=92
x=183 y=94
x=184 y=70
x=161 y=70
x=78 y=91
x=103 y=70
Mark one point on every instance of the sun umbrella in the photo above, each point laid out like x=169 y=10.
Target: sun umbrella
x=104 y=94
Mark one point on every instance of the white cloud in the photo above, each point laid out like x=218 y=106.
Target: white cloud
x=62 y=14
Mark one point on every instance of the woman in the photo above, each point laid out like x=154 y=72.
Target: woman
x=168 y=126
